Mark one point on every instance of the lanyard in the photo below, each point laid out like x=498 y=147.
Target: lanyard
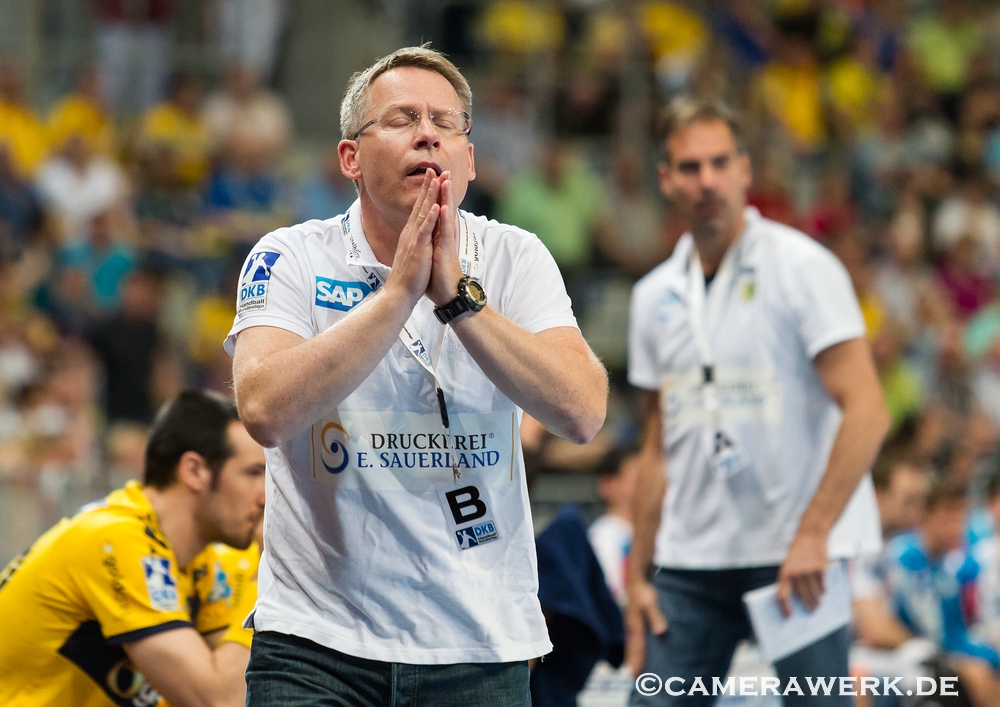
x=468 y=253
x=705 y=313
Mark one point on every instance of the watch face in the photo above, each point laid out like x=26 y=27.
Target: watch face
x=476 y=292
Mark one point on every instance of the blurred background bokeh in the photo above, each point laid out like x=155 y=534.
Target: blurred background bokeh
x=145 y=145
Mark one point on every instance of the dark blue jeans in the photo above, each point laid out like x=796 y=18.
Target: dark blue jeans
x=293 y=672
x=707 y=619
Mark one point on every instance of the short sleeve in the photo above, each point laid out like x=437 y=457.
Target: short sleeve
x=825 y=309
x=130 y=583
x=536 y=297
x=274 y=289
x=642 y=369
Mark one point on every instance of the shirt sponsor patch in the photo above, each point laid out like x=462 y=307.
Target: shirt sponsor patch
x=160 y=583
x=337 y=294
x=253 y=283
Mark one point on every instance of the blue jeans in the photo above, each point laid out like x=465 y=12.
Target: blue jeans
x=706 y=620
x=294 y=672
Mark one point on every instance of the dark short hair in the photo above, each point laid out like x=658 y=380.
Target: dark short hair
x=887 y=463
x=947 y=490
x=611 y=461
x=194 y=421
x=684 y=111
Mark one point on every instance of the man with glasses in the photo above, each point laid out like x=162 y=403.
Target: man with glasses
x=384 y=357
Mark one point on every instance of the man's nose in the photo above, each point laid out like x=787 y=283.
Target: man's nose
x=707 y=178
x=426 y=133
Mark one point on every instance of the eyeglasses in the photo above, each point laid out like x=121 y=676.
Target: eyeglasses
x=397 y=121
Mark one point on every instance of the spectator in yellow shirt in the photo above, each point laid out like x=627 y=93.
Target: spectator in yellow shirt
x=791 y=90
x=83 y=112
x=177 y=123
x=22 y=131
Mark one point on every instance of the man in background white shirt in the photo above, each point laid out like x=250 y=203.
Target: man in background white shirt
x=764 y=413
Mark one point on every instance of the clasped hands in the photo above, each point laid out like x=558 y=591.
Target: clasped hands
x=426 y=260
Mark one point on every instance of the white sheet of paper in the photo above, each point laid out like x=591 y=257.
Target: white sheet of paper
x=779 y=637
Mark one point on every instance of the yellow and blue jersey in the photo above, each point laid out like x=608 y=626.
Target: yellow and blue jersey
x=104 y=578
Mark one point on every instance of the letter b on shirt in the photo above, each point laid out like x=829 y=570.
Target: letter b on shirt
x=465 y=504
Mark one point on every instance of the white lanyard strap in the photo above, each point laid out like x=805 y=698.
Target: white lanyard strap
x=705 y=313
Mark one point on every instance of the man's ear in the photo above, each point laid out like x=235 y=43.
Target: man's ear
x=348 y=152
x=193 y=472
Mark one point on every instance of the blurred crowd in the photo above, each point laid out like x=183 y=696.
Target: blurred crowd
x=127 y=206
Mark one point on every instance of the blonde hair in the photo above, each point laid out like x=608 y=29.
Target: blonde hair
x=356 y=104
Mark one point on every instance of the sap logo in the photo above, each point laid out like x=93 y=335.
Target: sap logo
x=259 y=266
x=336 y=294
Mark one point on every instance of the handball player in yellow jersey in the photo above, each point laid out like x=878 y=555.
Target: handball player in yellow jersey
x=123 y=604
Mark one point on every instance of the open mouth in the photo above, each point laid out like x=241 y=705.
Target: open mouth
x=422 y=168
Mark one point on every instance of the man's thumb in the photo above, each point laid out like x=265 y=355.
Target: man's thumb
x=657 y=621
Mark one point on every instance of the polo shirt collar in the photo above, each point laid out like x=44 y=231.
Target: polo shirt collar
x=747 y=254
x=359 y=252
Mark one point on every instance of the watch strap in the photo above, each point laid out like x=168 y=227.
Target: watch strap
x=449 y=310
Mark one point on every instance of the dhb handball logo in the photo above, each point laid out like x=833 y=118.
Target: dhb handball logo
x=476 y=535
x=253 y=284
x=260 y=265
x=333 y=440
x=160 y=583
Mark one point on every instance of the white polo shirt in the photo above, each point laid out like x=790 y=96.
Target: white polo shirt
x=786 y=300
x=360 y=554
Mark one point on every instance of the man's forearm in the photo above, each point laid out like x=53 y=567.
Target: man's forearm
x=231 y=659
x=281 y=392
x=847 y=372
x=861 y=432
x=648 y=505
x=876 y=626
x=650 y=488
x=553 y=376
